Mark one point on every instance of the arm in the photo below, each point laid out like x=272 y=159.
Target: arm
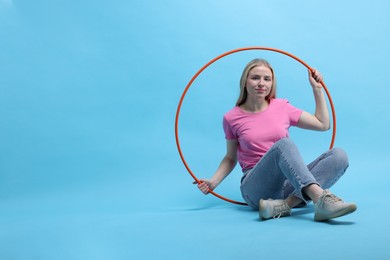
x=320 y=119
x=225 y=167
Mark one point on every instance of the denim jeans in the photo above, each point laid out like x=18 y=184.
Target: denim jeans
x=281 y=172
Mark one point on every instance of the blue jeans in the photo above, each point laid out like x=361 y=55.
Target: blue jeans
x=281 y=172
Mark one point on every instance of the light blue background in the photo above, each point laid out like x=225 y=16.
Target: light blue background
x=88 y=94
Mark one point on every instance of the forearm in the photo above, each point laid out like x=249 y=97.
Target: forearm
x=225 y=168
x=321 y=112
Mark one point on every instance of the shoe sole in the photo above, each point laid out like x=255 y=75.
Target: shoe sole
x=343 y=212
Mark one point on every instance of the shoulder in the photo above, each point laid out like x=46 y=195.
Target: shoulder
x=232 y=113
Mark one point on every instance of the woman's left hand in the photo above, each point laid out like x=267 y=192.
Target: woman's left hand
x=315 y=79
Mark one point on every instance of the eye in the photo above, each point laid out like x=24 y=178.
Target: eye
x=267 y=78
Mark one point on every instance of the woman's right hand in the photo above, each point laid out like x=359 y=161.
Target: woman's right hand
x=205 y=186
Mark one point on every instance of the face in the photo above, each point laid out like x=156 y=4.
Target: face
x=259 y=82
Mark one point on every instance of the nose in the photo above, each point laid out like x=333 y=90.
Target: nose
x=261 y=82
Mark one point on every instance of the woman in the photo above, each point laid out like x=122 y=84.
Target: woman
x=275 y=177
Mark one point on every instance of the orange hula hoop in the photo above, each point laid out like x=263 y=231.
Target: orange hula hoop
x=207 y=65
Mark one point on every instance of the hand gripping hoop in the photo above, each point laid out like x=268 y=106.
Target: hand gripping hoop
x=211 y=62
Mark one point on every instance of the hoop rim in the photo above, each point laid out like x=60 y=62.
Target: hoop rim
x=218 y=58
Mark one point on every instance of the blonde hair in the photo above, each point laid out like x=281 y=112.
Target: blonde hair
x=243 y=92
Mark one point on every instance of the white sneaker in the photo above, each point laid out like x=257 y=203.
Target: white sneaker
x=329 y=206
x=273 y=209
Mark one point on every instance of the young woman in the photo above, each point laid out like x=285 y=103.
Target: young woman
x=275 y=177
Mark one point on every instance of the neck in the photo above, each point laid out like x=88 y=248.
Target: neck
x=256 y=105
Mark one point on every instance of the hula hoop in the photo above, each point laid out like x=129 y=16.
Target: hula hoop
x=211 y=62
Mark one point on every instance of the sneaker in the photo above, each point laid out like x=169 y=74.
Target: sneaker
x=273 y=209
x=329 y=206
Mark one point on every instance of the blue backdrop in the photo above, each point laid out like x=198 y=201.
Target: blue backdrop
x=88 y=93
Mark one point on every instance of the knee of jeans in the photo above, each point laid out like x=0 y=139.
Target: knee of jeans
x=284 y=142
x=341 y=158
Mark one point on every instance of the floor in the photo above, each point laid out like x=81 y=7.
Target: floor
x=114 y=221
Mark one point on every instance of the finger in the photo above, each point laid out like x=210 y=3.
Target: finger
x=316 y=75
x=204 y=182
x=319 y=78
x=311 y=73
x=203 y=186
x=198 y=181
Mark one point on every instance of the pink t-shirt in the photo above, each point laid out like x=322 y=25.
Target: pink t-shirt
x=257 y=132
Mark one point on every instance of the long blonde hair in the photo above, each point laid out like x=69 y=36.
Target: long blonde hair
x=243 y=92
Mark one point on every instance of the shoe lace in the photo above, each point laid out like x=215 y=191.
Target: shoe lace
x=281 y=210
x=333 y=198
x=330 y=198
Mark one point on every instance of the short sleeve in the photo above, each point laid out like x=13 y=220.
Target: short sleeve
x=294 y=114
x=229 y=135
